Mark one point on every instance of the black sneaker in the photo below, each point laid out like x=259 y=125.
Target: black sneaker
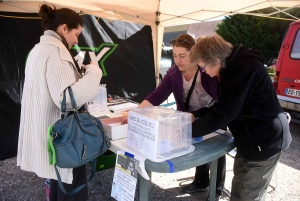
x=217 y=198
x=192 y=188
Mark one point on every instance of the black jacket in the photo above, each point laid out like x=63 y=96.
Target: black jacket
x=249 y=106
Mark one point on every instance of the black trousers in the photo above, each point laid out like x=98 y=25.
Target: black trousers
x=202 y=175
x=79 y=177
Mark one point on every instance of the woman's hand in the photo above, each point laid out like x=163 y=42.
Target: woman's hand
x=83 y=68
x=193 y=117
x=124 y=120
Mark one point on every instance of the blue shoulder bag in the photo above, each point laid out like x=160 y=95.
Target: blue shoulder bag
x=76 y=140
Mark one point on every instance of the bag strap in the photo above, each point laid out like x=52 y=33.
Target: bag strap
x=73 y=102
x=63 y=102
x=76 y=190
x=187 y=101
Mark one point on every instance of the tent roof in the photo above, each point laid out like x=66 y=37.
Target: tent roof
x=154 y=12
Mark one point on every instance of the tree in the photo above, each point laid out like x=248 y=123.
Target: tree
x=264 y=34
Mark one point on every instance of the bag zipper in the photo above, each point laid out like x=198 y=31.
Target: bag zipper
x=84 y=152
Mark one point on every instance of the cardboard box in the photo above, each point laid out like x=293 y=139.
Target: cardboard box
x=113 y=128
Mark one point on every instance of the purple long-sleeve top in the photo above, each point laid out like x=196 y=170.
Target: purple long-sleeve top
x=173 y=83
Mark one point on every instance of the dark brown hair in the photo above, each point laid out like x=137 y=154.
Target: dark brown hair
x=52 y=17
x=184 y=40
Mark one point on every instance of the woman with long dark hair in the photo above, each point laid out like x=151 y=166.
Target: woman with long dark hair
x=50 y=69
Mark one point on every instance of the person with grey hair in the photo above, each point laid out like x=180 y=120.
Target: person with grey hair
x=248 y=104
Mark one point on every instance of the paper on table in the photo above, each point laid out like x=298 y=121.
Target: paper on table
x=122 y=107
x=119 y=145
x=115 y=124
x=97 y=110
x=125 y=178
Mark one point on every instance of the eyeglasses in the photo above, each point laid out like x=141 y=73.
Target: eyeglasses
x=180 y=41
x=202 y=68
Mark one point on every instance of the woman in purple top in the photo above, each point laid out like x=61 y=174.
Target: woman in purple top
x=193 y=89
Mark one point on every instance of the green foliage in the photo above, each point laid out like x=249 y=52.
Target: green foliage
x=271 y=71
x=264 y=34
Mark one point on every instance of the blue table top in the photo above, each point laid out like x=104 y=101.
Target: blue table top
x=205 y=152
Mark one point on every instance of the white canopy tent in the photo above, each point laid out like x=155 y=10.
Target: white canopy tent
x=156 y=13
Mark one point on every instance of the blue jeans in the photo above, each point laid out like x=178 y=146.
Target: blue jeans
x=251 y=178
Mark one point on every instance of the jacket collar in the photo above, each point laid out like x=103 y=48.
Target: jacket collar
x=52 y=38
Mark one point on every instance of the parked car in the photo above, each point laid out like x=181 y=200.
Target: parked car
x=287 y=70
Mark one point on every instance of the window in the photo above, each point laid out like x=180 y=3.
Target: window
x=295 y=52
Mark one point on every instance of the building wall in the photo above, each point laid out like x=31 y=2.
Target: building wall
x=176 y=28
x=203 y=28
x=196 y=30
x=172 y=33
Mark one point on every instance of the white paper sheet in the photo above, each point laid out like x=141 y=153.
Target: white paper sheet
x=122 y=107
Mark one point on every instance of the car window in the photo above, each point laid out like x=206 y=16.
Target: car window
x=295 y=52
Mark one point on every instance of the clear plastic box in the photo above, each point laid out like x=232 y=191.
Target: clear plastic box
x=98 y=105
x=101 y=97
x=159 y=133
